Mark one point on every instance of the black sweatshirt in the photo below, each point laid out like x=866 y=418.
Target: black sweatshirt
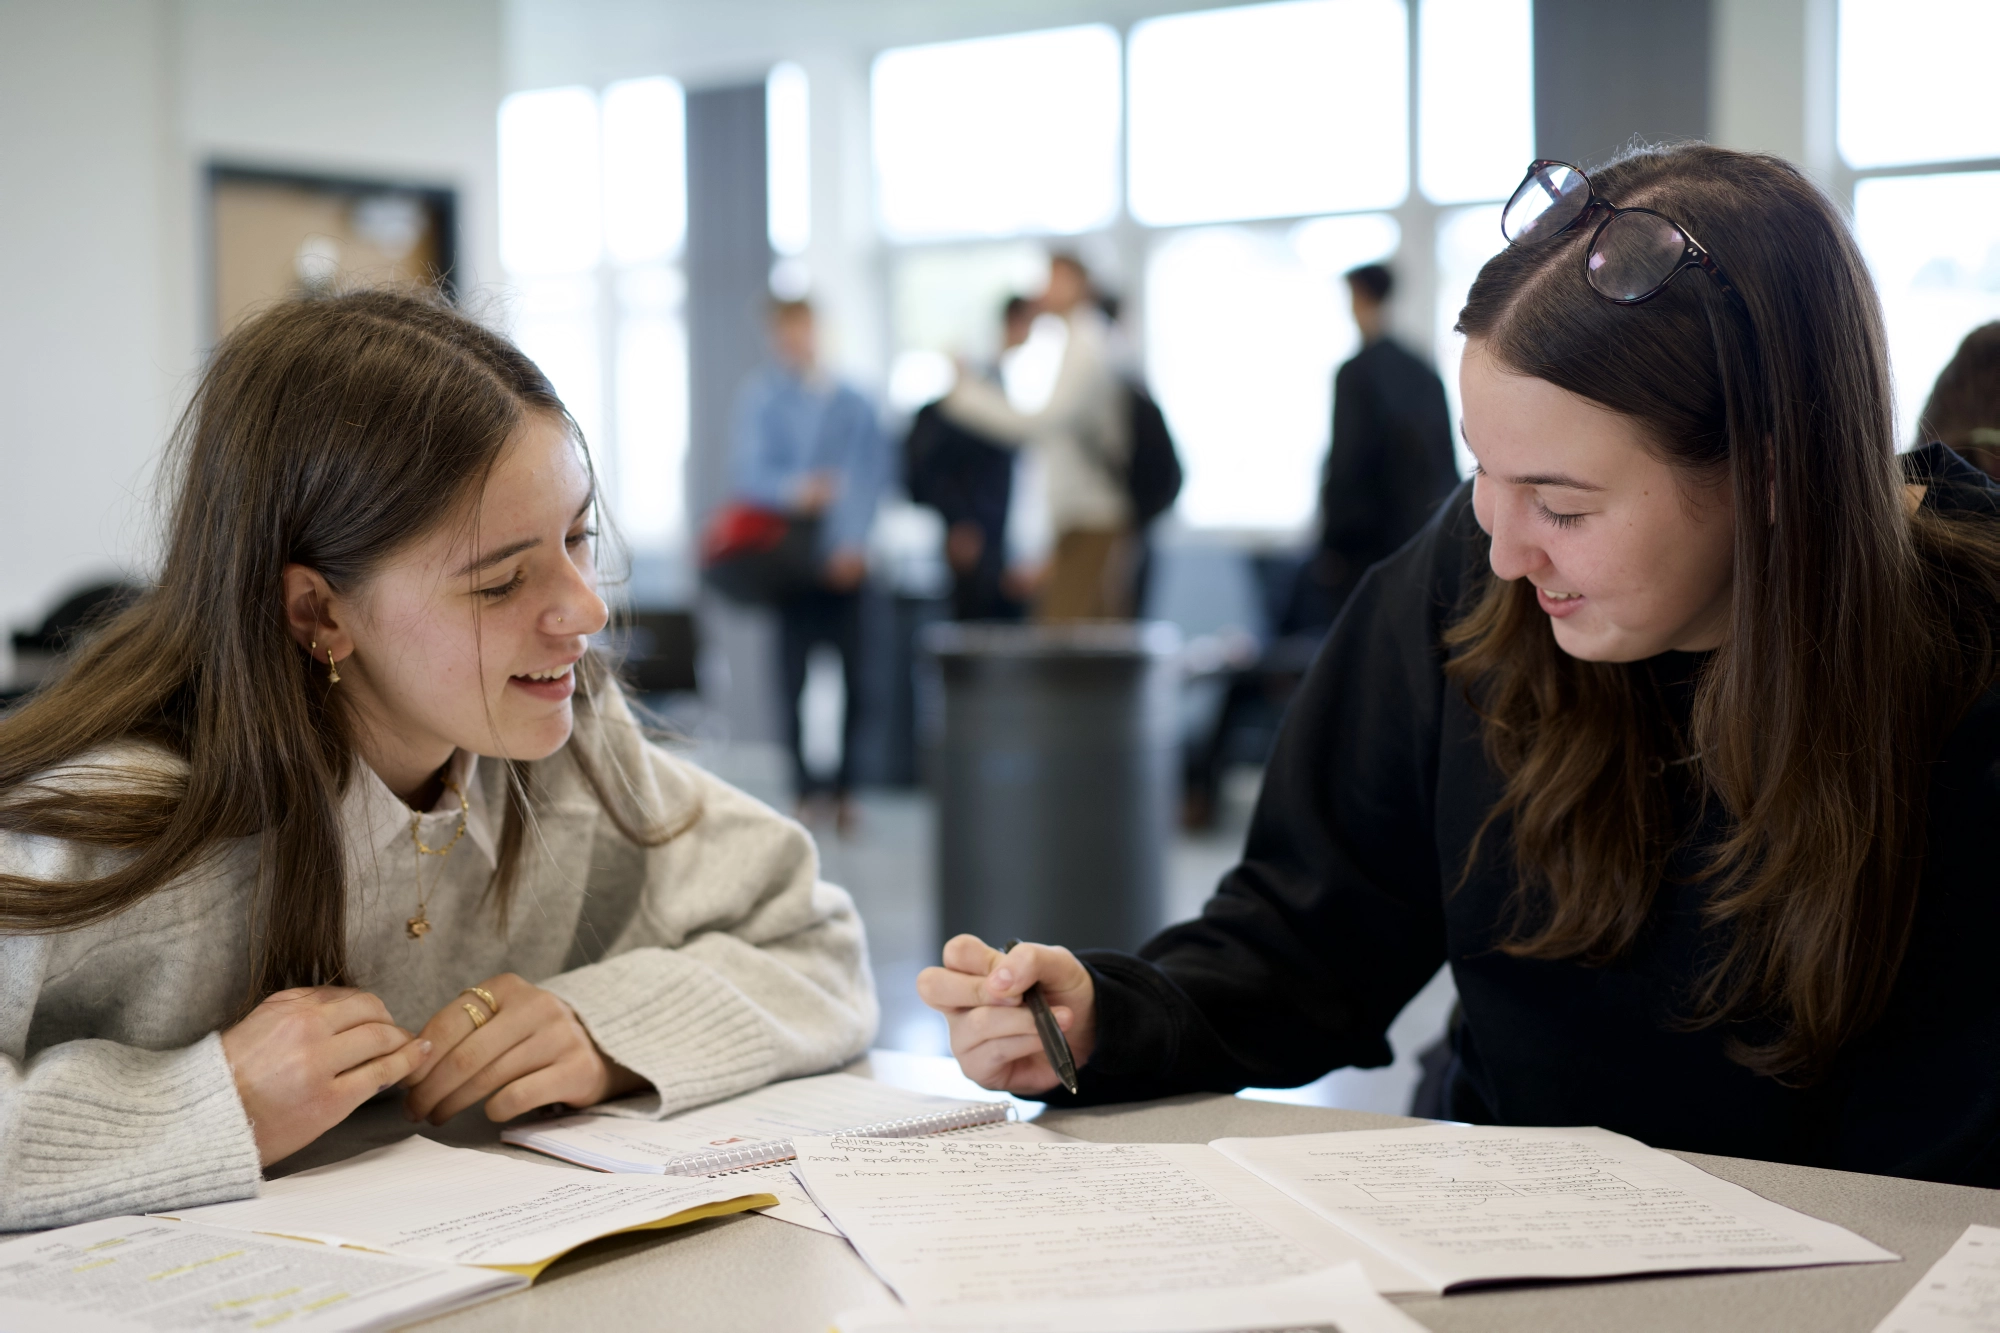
x=1343 y=907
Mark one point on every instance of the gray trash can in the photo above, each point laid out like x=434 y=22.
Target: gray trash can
x=1054 y=759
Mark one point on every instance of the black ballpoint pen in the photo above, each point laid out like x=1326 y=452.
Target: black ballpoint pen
x=1054 y=1044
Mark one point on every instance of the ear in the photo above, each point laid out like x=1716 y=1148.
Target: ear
x=315 y=616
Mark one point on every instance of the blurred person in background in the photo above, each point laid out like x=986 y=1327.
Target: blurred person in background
x=1083 y=437
x=809 y=446
x=1964 y=407
x=1390 y=461
x=968 y=479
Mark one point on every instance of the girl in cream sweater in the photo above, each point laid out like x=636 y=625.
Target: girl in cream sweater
x=347 y=803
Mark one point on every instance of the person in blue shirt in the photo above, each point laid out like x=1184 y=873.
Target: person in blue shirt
x=809 y=446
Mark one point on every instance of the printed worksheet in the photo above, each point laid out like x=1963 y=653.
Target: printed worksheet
x=948 y=1223
x=1465 y=1203
x=126 y=1274
x=458 y=1205
x=1961 y=1293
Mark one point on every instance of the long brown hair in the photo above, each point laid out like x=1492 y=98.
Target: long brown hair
x=1964 y=406
x=1858 y=634
x=328 y=432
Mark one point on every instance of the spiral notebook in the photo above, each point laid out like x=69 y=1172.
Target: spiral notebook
x=755 y=1129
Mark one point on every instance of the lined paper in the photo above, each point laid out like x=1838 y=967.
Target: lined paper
x=424 y=1200
x=1961 y=1293
x=1467 y=1203
x=972 y=1224
x=124 y=1274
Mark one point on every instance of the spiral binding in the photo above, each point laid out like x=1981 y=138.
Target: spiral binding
x=752 y=1155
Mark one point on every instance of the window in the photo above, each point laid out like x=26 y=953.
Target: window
x=593 y=215
x=1269 y=111
x=1475 y=98
x=788 y=159
x=1244 y=329
x=1916 y=81
x=1267 y=150
x=1933 y=243
x=1002 y=136
x=1909 y=100
x=1466 y=239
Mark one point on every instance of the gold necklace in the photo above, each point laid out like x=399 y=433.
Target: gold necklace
x=419 y=925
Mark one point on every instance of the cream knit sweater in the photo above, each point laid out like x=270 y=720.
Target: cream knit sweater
x=710 y=965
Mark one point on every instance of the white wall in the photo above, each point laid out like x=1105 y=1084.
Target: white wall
x=86 y=391
x=1771 y=85
x=109 y=111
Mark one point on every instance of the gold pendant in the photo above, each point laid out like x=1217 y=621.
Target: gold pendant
x=418 y=926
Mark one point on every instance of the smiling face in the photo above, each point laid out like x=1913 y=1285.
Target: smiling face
x=467 y=637
x=1629 y=558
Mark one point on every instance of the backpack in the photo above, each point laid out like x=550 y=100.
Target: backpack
x=1153 y=474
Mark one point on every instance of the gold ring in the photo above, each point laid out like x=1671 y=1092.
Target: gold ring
x=472 y=1012
x=485 y=995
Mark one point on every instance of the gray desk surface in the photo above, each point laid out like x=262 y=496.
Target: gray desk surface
x=752 y=1273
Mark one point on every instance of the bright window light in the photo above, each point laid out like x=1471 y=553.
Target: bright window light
x=1475 y=97
x=549 y=192
x=1916 y=81
x=1269 y=111
x=788 y=158
x=645 y=170
x=1244 y=330
x=948 y=298
x=1466 y=239
x=652 y=404
x=1933 y=243
x=556 y=325
x=998 y=137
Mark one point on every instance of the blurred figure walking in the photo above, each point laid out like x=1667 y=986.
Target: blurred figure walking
x=808 y=446
x=1390 y=461
x=1084 y=437
x=1964 y=406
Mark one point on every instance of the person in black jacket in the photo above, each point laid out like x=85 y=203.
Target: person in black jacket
x=969 y=479
x=1390 y=461
x=1675 y=733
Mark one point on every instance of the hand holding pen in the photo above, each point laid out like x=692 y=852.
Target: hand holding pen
x=983 y=992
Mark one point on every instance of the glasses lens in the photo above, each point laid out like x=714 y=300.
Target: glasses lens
x=1634 y=255
x=1554 y=195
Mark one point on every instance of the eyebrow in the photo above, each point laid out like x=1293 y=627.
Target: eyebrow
x=1561 y=479
x=512 y=549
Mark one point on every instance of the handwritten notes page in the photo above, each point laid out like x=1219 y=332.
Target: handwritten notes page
x=1961 y=1293
x=1460 y=1204
x=131 y=1273
x=823 y=1104
x=795 y=1205
x=423 y=1200
x=985 y=1227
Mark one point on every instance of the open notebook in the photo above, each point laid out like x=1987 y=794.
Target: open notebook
x=980 y=1226
x=421 y=1200
x=755 y=1129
